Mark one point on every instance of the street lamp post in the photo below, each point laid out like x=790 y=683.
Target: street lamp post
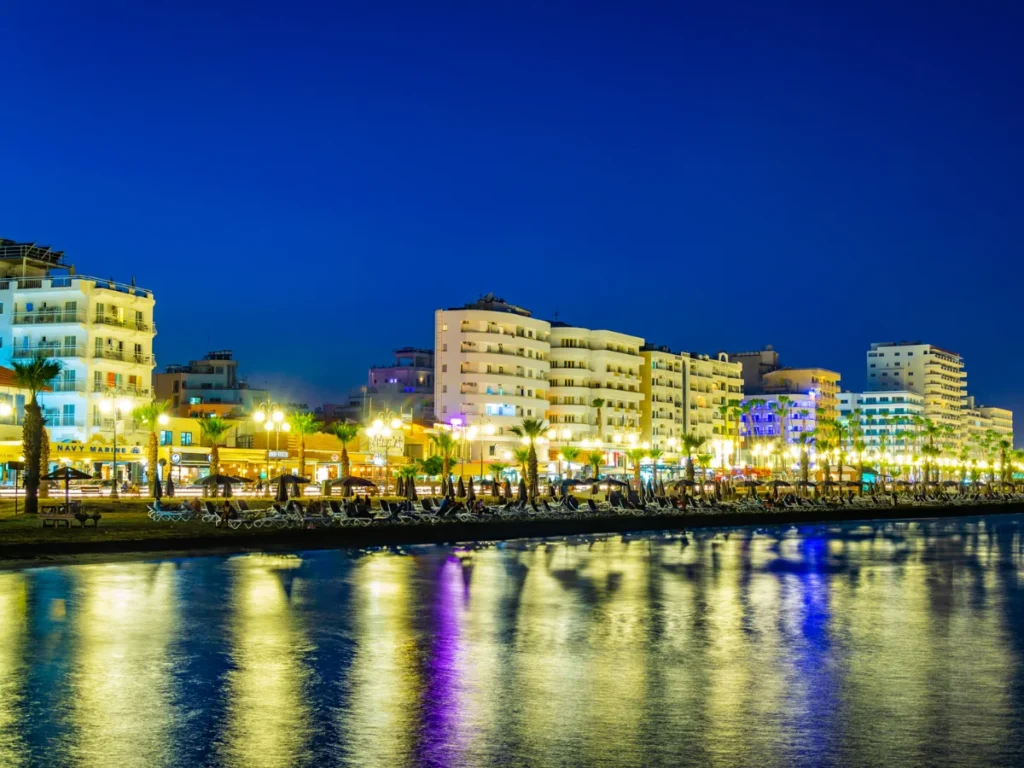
x=114 y=403
x=271 y=416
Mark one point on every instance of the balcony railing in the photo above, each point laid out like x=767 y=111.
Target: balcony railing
x=21 y=353
x=72 y=281
x=67 y=386
x=61 y=421
x=132 y=325
x=124 y=357
x=129 y=390
x=47 y=317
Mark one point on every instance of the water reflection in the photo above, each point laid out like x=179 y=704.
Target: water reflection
x=894 y=644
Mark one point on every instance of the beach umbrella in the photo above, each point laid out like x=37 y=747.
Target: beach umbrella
x=399 y=486
x=471 y=491
x=158 y=490
x=661 y=488
x=444 y=486
x=461 y=492
x=508 y=489
x=218 y=479
x=522 y=489
x=67 y=474
x=779 y=483
x=170 y=486
x=410 y=489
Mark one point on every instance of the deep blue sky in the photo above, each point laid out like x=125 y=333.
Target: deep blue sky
x=305 y=185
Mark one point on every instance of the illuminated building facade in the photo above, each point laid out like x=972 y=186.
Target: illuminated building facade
x=661 y=382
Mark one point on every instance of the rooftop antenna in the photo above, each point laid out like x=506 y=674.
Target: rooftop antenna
x=556 y=315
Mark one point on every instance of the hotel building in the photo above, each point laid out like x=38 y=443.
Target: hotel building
x=100 y=330
x=886 y=418
x=490 y=365
x=765 y=420
x=207 y=387
x=935 y=373
x=586 y=366
x=819 y=383
x=661 y=382
x=709 y=383
x=982 y=420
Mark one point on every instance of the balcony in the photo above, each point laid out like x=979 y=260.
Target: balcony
x=47 y=317
x=82 y=283
x=60 y=420
x=131 y=325
x=67 y=386
x=54 y=350
x=124 y=357
x=130 y=391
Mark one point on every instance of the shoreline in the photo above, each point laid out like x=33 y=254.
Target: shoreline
x=66 y=551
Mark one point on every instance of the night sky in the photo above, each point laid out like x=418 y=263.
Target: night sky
x=306 y=185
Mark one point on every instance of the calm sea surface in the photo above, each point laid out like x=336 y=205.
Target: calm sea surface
x=896 y=645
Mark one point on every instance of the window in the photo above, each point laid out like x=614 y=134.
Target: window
x=166 y=437
x=186 y=438
x=196 y=401
x=68 y=415
x=444 y=347
x=444 y=327
x=444 y=369
x=444 y=388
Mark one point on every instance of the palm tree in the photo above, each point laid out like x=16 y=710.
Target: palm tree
x=213 y=429
x=431 y=467
x=33 y=376
x=636 y=455
x=531 y=429
x=736 y=409
x=654 y=454
x=345 y=433
x=595 y=459
x=725 y=409
x=692 y=443
x=148 y=416
x=497 y=470
x=597 y=403
x=303 y=424
x=407 y=473
x=781 y=410
x=44 y=464
x=570 y=453
x=521 y=455
x=704 y=460
x=1005 y=446
x=447 y=447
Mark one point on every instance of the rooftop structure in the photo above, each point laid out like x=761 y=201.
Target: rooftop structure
x=208 y=386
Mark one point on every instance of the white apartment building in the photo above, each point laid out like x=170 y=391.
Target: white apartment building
x=661 y=382
x=589 y=365
x=490 y=365
x=709 y=383
x=935 y=373
x=982 y=420
x=886 y=417
x=101 y=331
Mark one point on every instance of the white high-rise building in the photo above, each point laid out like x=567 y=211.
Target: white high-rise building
x=490 y=366
x=887 y=418
x=100 y=330
x=605 y=364
x=935 y=373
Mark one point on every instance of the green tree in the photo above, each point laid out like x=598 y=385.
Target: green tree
x=654 y=455
x=598 y=403
x=148 y=417
x=498 y=469
x=531 y=429
x=345 y=433
x=445 y=446
x=704 y=461
x=692 y=443
x=34 y=376
x=571 y=454
x=595 y=459
x=635 y=456
x=521 y=456
x=214 y=429
x=303 y=424
x=431 y=467
x=44 y=464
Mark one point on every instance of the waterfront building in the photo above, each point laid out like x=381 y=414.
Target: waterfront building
x=490 y=365
x=983 y=421
x=589 y=365
x=709 y=383
x=406 y=386
x=755 y=365
x=935 y=373
x=799 y=410
x=210 y=386
x=100 y=330
x=661 y=383
x=822 y=383
x=889 y=419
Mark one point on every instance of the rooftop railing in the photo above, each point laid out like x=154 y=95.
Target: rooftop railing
x=71 y=281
